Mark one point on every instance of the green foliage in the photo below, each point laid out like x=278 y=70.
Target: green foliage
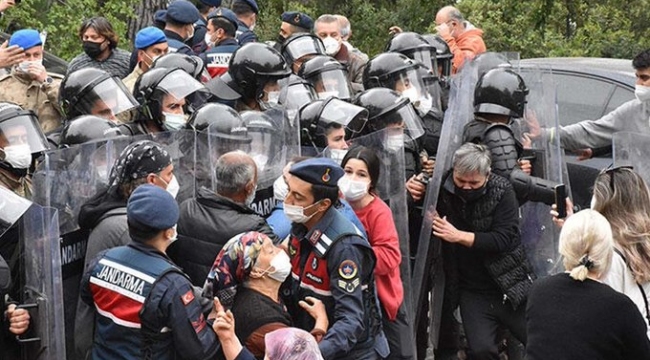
x=535 y=28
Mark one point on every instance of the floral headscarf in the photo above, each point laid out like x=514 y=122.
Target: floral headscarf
x=291 y=344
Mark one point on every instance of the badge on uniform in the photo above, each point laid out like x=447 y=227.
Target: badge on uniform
x=187 y=297
x=315 y=236
x=314 y=264
x=348 y=269
x=349 y=286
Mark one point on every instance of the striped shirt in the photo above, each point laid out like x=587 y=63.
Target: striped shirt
x=117 y=64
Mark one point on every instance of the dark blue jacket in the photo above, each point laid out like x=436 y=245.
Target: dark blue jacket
x=176 y=43
x=244 y=34
x=217 y=58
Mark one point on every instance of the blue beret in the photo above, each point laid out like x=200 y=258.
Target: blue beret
x=250 y=3
x=160 y=16
x=226 y=14
x=296 y=18
x=318 y=171
x=149 y=36
x=215 y=3
x=153 y=207
x=183 y=12
x=26 y=39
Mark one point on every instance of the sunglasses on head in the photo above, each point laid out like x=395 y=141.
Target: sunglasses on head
x=611 y=170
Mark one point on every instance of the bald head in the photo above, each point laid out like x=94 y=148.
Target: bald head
x=236 y=175
x=447 y=14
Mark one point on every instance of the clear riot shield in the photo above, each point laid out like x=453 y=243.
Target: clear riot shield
x=391 y=188
x=264 y=140
x=12 y=208
x=42 y=291
x=538 y=233
x=632 y=149
x=427 y=268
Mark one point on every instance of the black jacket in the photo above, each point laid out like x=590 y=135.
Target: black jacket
x=205 y=225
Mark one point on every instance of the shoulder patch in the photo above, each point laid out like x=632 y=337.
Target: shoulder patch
x=349 y=286
x=187 y=297
x=348 y=269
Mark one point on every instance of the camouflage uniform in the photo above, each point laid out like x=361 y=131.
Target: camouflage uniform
x=21 y=186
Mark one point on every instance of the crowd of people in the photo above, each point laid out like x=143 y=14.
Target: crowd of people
x=265 y=199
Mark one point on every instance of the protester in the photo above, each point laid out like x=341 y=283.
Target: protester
x=563 y=319
x=465 y=41
x=346 y=33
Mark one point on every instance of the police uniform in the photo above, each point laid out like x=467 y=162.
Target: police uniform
x=183 y=12
x=244 y=33
x=218 y=57
x=335 y=263
x=42 y=98
x=146 y=307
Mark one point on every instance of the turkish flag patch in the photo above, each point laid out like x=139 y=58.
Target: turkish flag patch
x=187 y=297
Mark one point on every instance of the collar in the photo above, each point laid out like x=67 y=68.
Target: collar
x=228 y=41
x=137 y=71
x=209 y=197
x=149 y=250
x=241 y=23
x=314 y=234
x=173 y=35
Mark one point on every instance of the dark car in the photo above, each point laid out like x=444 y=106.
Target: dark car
x=587 y=89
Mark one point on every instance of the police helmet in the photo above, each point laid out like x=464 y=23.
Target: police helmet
x=151 y=86
x=387 y=107
x=490 y=60
x=213 y=113
x=192 y=65
x=443 y=53
x=380 y=71
x=301 y=44
x=415 y=47
x=502 y=92
x=93 y=91
x=328 y=76
x=88 y=128
x=318 y=117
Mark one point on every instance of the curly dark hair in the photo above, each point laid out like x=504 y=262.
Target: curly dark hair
x=642 y=60
x=103 y=27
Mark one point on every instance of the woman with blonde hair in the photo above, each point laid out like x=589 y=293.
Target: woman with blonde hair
x=572 y=315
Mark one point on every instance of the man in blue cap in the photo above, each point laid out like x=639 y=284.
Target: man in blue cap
x=160 y=18
x=331 y=261
x=29 y=85
x=179 y=26
x=221 y=42
x=294 y=22
x=205 y=7
x=146 y=306
x=150 y=44
x=246 y=11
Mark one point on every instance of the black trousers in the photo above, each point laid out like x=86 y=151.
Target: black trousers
x=399 y=334
x=482 y=315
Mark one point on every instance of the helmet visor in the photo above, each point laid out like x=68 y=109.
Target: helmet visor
x=350 y=116
x=425 y=56
x=23 y=129
x=179 y=84
x=107 y=99
x=296 y=95
x=301 y=46
x=332 y=83
x=405 y=117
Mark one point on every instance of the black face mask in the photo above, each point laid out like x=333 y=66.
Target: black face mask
x=470 y=195
x=92 y=49
x=280 y=39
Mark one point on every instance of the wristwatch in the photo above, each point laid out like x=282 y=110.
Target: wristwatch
x=48 y=81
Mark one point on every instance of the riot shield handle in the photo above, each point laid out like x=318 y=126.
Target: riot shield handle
x=39 y=322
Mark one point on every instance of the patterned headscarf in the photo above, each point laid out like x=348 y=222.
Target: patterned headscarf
x=291 y=344
x=232 y=266
x=139 y=160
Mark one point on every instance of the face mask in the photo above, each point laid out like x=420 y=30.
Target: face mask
x=190 y=35
x=394 y=142
x=412 y=94
x=353 y=190
x=332 y=46
x=252 y=27
x=326 y=94
x=172 y=186
x=425 y=105
x=152 y=59
x=173 y=122
x=280 y=189
x=175 y=236
x=296 y=214
x=18 y=156
x=337 y=155
x=24 y=66
x=280 y=39
x=282 y=265
x=92 y=49
x=273 y=98
x=470 y=195
x=208 y=39
x=642 y=92
x=251 y=197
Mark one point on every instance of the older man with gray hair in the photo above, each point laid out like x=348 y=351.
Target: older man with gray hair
x=208 y=221
x=478 y=223
x=346 y=32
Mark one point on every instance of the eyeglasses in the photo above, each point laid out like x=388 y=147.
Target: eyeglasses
x=611 y=170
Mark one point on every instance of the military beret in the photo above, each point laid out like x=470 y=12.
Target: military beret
x=318 y=171
x=26 y=39
x=250 y=3
x=215 y=3
x=299 y=19
x=152 y=207
x=149 y=36
x=224 y=13
x=183 y=12
x=160 y=16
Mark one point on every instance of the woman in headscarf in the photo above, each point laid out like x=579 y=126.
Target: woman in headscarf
x=104 y=215
x=247 y=275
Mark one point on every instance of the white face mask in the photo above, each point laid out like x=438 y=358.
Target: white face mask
x=642 y=93
x=173 y=187
x=412 y=94
x=208 y=39
x=394 y=142
x=251 y=197
x=282 y=265
x=326 y=94
x=24 y=66
x=337 y=155
x=175 y=236
x=190 y=35
x=332 y=46
x=252 y=27
x=353 y=190
x=425 y=105
x=273 y=98
x=173 y=122
x=296 y=214
x=280 y=189
x=18 y=156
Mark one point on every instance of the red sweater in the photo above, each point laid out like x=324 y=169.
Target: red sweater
x=378 y=221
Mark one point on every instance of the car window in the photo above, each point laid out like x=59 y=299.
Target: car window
x=620 y=96
x=580 y=98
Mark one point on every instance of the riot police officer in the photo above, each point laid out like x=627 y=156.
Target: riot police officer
x=162 y=93
x=297 y=93
x=414 y=46
x=301 y=47
x=253 y=80
x=328 y=76
x=88 y=128
x=444 y=59
x=332 y=262
x=195 y=67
